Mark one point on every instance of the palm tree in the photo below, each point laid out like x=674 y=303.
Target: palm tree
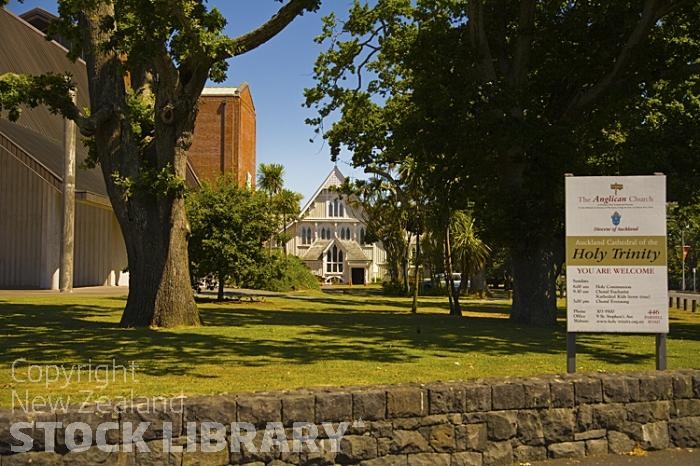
x=271 y=178
x=271 y=181
x=287 y=203
x=471 y=252
x=414 y=192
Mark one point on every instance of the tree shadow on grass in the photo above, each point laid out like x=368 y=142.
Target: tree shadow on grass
x=684 y=328
x=385 y=335
x=76 y=334
x=604 y=348
x=346 y=303
x=253 y=334
x=618 y=348
x=354 y=291
x=258 y=334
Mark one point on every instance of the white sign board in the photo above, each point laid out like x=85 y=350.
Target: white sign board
x=616 y=270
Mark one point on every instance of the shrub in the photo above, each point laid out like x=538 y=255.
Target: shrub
x=393 y=289
x=284 y=273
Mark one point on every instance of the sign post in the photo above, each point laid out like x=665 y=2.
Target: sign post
x=616 y=258
x=685 y=248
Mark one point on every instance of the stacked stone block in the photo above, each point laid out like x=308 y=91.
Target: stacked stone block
x=471 y=423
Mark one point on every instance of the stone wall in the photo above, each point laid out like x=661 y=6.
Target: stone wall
x=482 y=422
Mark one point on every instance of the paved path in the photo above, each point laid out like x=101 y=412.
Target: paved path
x=88 y=290
x=671 y=457
x=124 y=291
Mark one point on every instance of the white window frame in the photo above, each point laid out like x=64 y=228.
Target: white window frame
x=334 y=260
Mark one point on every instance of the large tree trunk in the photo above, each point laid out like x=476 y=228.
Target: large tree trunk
x=154 y=223
x=221 y=279
x=534 y=287
x=152 y=220
x=160 y=291
x=478 y=282
x=534 y=229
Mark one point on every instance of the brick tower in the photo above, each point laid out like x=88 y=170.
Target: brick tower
x=224 y=136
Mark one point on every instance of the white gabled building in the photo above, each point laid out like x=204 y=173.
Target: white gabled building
x=329 y=236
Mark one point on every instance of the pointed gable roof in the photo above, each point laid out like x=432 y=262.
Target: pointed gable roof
x=334 y=178
x=353 y=252
x=38 y=131
x=314 y=253
x=26 y=50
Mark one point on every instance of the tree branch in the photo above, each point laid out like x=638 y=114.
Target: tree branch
x=650 y=15
x=255 y=38
x=50 y=89
x=88 y=125
x=479 y=40
x=679 y=72
x=375 y=170
x=373 y=51
x=670 y=5
x=523 y=46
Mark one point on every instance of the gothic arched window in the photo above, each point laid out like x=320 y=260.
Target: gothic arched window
x=334 y=260
x=336 y=208
x=306 y=235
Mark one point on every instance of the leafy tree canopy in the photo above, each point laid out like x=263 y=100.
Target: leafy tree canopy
x=229 y=225
x=147 y=62
x=495 y=101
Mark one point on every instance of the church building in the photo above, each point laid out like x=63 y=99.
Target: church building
x=329 y=236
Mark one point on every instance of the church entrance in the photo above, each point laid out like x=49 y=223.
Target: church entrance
x=358 y=276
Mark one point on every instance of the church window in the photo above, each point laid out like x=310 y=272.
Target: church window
x=334 y=260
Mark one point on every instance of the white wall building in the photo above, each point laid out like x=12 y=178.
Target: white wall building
x=31 y=181
x=329 y=236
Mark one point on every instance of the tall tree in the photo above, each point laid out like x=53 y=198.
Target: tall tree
x=471 y=251
x=415 y=198
x=271 y=178
x=503 y=98
x=405 y=186
x=229 y=225
x=287 y=204
x=147 y=63
x=282 y=202
x=683 y=233
x=385 y=216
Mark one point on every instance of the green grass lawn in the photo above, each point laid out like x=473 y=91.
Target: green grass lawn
x=298 y=340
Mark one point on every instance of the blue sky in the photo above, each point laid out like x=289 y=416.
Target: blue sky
x=277 y=72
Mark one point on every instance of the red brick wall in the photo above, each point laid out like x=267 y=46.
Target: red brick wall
x=245 y=147
x=224 y=137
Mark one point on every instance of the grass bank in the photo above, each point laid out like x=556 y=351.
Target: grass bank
x=298 y=340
